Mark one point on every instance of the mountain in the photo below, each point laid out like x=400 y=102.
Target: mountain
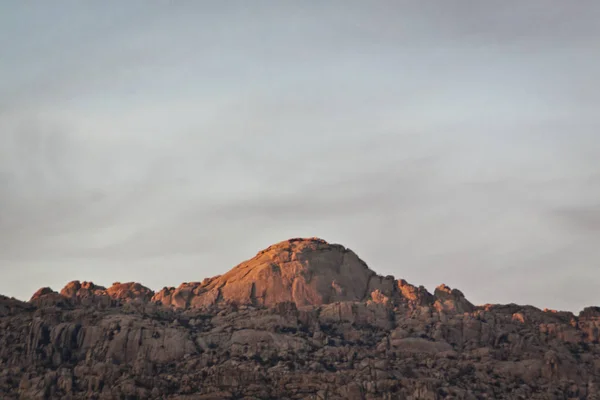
x=303 y=271
x=303 y=319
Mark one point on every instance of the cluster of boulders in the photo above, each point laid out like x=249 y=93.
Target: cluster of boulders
x=304 y=319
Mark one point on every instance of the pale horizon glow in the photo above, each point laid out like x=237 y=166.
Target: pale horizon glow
x=165 y=142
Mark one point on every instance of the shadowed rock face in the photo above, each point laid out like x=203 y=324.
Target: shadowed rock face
x=302 y=319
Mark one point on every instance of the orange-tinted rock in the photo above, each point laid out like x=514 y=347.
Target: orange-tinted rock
x=451 y=300
x=129 y=291
x=412 y=294
x=77 y=289
x=302 y=271
x=88 y=293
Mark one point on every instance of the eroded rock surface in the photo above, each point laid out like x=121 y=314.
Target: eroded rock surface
x=303 y=271
x=301 y=320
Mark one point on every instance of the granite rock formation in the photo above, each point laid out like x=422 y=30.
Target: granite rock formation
x=303 y=319
x=304 y=272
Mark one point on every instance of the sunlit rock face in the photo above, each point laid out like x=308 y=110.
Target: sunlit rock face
x=302 y=271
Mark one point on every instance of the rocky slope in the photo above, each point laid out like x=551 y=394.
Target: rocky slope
x=302 y=320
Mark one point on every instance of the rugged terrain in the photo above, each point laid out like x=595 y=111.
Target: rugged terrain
x=303 y=319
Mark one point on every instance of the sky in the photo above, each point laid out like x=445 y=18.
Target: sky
x=162 y=142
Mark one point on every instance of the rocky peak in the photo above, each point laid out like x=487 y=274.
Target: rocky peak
x=88 y=294
x=129 y=291
x=46 y=297
x=448 y=299
x=77 y=289
x=303 y=271
x=42 y=292
x=12 y=306
x=306 y=272
x=590 y=312
x=416 y=295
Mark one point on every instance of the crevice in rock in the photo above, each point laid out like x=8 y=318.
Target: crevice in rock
x=253 y=299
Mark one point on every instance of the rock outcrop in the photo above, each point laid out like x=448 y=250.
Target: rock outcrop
x=303 y=271
x=302 y=320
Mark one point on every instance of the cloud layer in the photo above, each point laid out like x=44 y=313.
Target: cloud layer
x=164 y=143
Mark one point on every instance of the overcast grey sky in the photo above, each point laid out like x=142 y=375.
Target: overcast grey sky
x=163 y=142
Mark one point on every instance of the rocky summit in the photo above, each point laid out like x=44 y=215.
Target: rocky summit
x=301 y=271
x=303 y=319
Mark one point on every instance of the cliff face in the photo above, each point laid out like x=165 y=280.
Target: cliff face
x=302 y=320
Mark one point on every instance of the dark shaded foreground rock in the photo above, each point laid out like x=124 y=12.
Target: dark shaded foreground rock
x=301 y=330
